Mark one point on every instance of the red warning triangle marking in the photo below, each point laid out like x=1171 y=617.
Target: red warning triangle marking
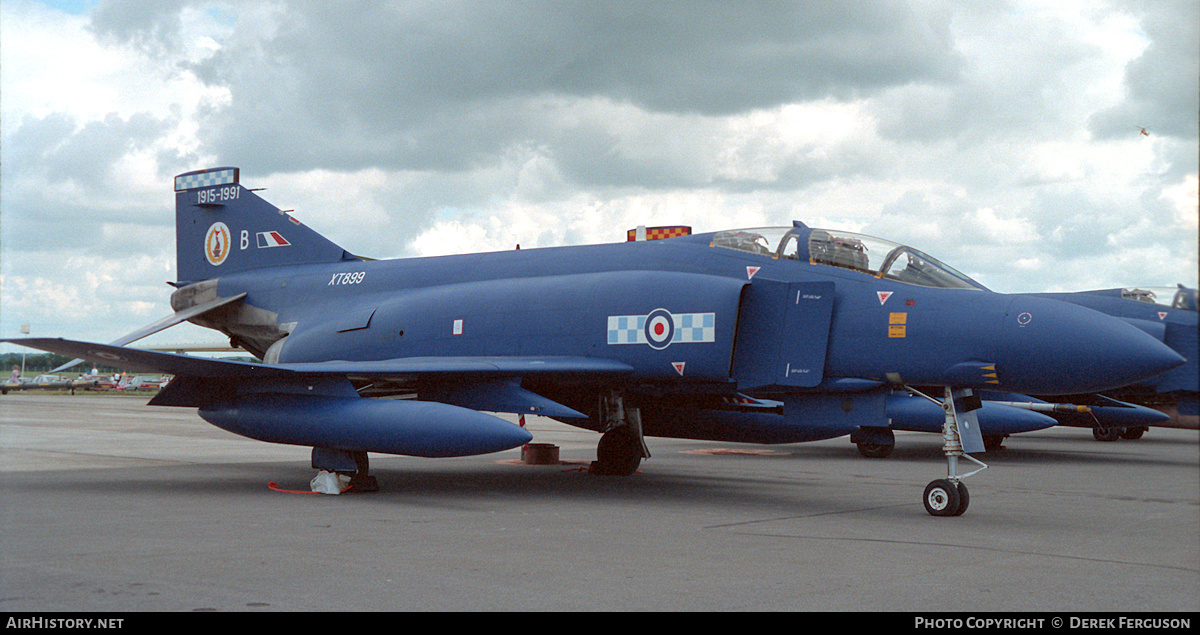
x=678 y=367
x=750 y=271
x=1162 y=315
x=883 y=296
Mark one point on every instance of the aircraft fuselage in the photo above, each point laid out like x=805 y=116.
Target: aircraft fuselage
x=825 y=322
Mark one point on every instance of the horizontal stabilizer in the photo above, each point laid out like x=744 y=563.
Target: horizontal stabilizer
x=163 y=324
x=143 y=361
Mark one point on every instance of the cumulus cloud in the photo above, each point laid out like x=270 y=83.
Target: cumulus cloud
x=1161 y=85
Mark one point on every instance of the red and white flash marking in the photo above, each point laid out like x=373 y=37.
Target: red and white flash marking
x=271 y=239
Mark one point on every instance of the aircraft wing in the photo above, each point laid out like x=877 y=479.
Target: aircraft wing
x=414 y=368
x=483 y=383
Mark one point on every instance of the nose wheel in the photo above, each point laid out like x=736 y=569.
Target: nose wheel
x=944 y=498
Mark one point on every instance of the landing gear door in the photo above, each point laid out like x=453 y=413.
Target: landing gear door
x=783 y=333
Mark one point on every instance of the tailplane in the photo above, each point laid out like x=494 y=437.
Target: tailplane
x=223 y=228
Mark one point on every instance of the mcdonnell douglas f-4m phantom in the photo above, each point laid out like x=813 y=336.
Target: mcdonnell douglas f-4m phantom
x=1169 y=315
x=774 y=335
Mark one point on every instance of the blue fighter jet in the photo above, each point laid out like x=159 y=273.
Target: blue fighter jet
x=1170 y=399
x=774 y=335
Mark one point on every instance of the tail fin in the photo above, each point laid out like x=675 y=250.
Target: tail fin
x=223 y=228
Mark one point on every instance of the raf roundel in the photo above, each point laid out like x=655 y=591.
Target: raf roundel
x=659 y=329
x=216 y=244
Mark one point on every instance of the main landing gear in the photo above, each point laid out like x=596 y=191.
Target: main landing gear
x=874 y=443
x=1112 y=434
x=621 y=448
x=341 y=471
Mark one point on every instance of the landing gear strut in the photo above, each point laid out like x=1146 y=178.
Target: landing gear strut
x=349 y=470
x=949 y=496
x=621 y=448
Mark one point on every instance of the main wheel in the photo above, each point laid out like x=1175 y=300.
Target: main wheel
x=1106 y=434
x=618 y=454
x=874 y=443
x=875 y=450
x=1135 y=432
x=941 y=498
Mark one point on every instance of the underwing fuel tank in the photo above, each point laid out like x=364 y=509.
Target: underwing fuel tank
x=411 y=428
x=915 y=414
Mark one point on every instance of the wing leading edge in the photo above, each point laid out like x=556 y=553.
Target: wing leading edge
x=479 y=383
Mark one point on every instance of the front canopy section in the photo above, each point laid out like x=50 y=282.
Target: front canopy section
x=874 y=256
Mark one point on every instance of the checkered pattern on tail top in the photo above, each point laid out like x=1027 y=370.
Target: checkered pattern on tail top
x=206 y=178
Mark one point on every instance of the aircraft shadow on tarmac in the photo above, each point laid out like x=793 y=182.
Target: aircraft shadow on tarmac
x=445 y=486
x=1082 y=451
x=801 y=477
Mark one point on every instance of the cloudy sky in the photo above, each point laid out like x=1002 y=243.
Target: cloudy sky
x=1003 y=137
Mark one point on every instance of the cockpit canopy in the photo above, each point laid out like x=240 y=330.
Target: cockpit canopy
x=874 y=256
x=1179 y=297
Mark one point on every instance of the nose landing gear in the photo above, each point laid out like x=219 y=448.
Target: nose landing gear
x=961 y=434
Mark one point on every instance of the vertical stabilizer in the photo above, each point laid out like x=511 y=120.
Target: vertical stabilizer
x=223 y=228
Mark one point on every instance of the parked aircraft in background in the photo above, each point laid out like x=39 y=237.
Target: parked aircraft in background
x=775 y=335
x=54 y=382
x=1169 y=315
x=41 y=382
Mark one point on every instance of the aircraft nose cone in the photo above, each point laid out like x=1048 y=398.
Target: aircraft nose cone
x=1053 y=347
